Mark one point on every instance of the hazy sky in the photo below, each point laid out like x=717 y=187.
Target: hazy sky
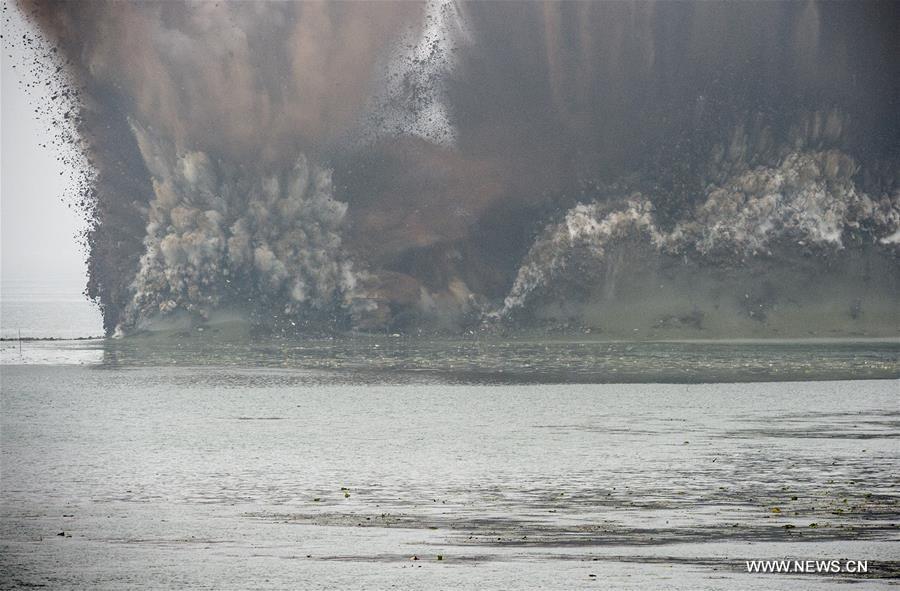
x=37 y=237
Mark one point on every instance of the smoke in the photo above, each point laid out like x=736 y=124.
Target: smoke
x=809 y=199
x=422 y=166
x=412 y=98
x=247 y=78
x=267 y=243
x=207 y=124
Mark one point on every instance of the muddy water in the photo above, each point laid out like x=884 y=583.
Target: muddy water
x=228 y=476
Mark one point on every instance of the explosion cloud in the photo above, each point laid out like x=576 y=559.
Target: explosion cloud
x=215 y=237
x=450 y=166
x=809 y=199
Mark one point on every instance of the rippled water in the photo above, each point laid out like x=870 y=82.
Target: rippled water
x=482 y=360
x=223 y=459
x=47 y=309
x=199 y=470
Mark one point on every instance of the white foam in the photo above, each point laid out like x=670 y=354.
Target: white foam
x=809 y=198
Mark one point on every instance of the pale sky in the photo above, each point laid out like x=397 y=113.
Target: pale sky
x=37 y=230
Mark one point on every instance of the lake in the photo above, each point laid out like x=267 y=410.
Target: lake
x=217 y=460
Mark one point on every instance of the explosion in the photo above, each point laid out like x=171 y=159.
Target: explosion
x=445 y=167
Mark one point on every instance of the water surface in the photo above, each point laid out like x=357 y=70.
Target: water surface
x=240 y=477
